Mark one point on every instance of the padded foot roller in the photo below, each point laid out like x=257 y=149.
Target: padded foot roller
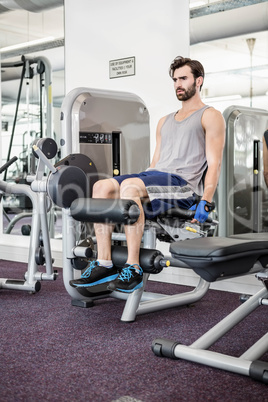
x=149 y=259
x=164 y=348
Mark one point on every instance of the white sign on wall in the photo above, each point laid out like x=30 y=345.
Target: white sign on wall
x=122 y=67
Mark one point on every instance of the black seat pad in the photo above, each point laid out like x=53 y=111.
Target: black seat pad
x=185 y=214
x=215 y=257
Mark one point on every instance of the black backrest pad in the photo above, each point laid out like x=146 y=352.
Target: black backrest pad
x=66 y=185
x=85 y=164
x=215 y=257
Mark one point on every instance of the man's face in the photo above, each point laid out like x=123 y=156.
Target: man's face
x=184 y=83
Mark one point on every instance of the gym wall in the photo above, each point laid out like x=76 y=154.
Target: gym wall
x=152 y=31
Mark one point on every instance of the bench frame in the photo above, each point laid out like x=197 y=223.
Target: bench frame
x=247 y=364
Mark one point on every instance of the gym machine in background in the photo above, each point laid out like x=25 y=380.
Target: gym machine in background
x=37 y=113
x=111 y=128
x=242 y=193
x=41 y=67
x=39 y=245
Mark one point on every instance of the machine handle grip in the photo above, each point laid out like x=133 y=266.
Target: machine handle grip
x=44 y=159
x=8 y=163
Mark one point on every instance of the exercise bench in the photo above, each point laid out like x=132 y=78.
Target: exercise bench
x=214 y=259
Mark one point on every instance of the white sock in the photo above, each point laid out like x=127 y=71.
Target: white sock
x=106 y=263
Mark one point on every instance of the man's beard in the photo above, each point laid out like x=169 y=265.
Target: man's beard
x=187 y=94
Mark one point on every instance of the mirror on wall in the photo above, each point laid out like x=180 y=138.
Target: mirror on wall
x=32 y=90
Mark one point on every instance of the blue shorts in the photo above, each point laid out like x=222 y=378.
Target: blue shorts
x=165 y=191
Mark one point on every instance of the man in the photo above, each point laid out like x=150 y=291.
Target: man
x=187 y=143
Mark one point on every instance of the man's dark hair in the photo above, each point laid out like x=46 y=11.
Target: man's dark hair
x=196 y=67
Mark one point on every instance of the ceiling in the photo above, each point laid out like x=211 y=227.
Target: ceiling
x=21 y=26
x=228 y=63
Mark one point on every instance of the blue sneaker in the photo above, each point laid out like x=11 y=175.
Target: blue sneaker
x=129 y=279
x=95 y=274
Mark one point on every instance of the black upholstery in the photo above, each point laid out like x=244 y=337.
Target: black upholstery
x=101 y=210
x=216 y=257
x=68 y=184
x=185 y=214
x=149 y=259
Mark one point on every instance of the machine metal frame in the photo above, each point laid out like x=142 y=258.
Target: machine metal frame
x=37 y=194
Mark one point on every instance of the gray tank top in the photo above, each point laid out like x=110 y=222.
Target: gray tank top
x=182 y=149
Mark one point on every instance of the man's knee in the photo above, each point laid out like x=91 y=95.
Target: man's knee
x=107 y=188
x=133 y=187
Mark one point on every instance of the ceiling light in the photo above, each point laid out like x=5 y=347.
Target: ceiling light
x=27 y=44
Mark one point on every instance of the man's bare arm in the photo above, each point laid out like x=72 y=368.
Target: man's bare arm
x=214 y=126
x=156 y=155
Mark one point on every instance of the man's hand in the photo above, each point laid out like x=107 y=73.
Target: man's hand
x=203 y=209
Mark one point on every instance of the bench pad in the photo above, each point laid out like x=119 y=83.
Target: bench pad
x=216 y=257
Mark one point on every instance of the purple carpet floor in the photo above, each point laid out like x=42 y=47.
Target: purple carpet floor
x=51 y=351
